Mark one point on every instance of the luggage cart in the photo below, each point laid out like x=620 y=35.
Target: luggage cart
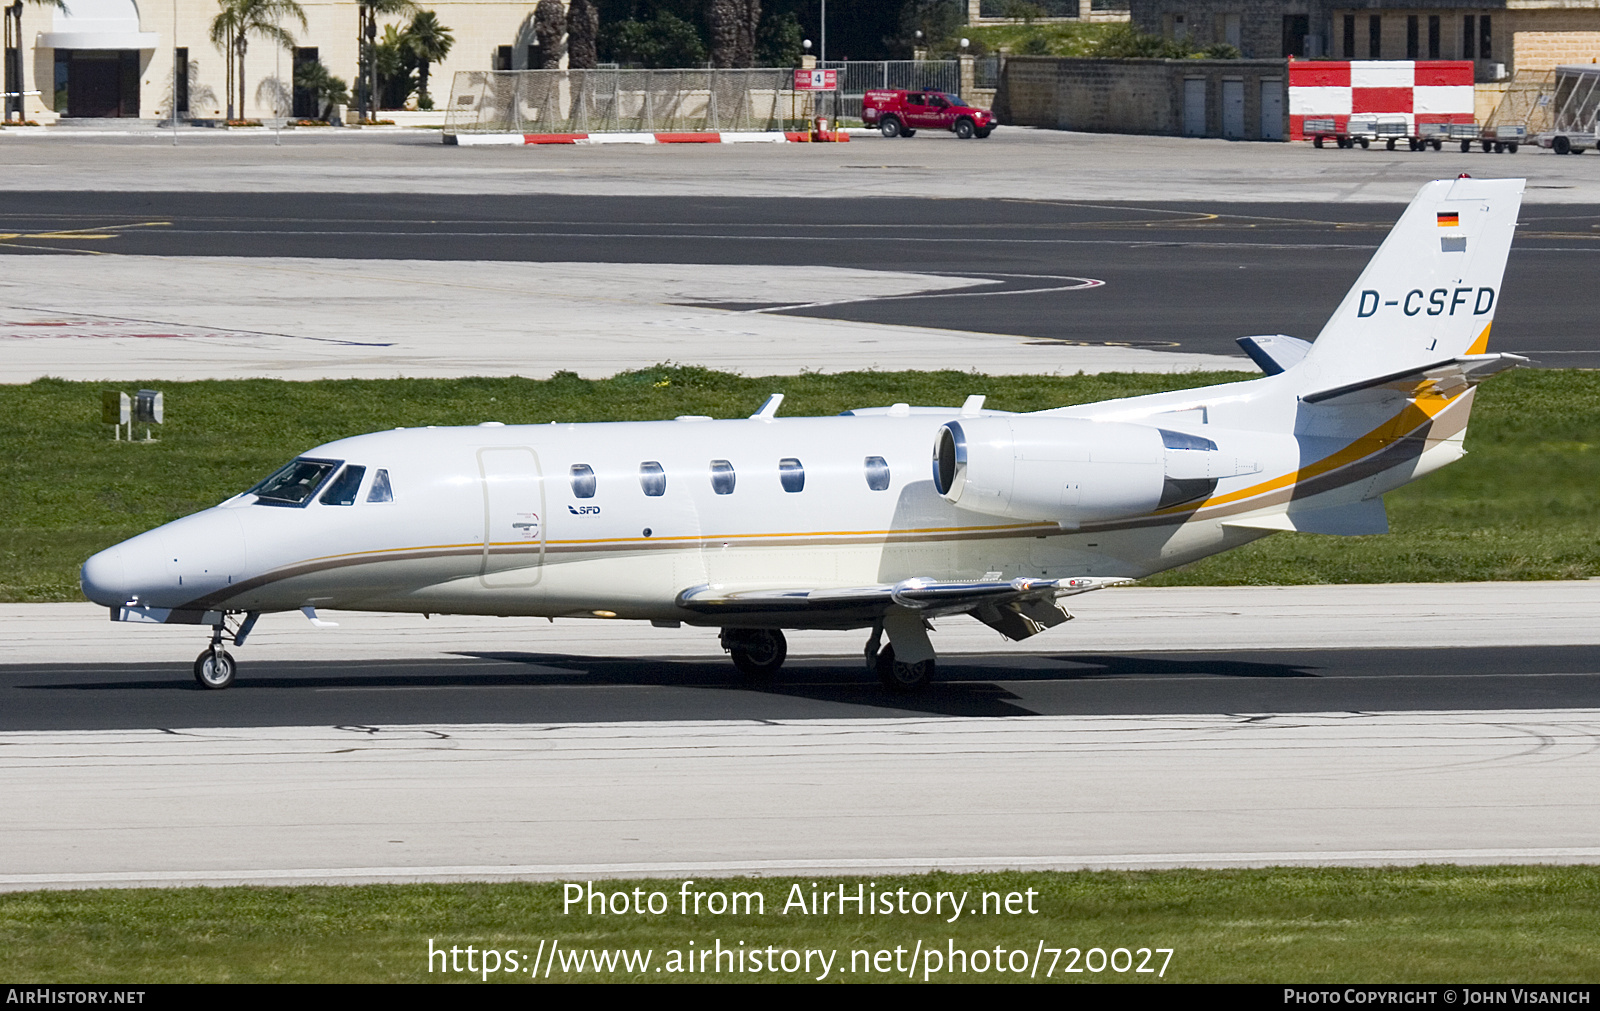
x=1358 y=130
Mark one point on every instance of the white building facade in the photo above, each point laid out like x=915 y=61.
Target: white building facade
x=117 y=58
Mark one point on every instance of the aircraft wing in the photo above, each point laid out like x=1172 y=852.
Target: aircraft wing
x=1017 y=608
x=1444 y=378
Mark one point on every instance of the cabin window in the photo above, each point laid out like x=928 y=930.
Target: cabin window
x=722 y=477
x=792 y=473
x=1183 y=440
x=342 y=489
x=877 y=473
x=653 y=479
x=583 y=482
x=380 y=491
x=294 y=483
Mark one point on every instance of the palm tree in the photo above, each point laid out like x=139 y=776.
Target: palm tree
x=429 y=42
x=583 y=25
x=329 y=90
x=366 y=42
x=240 y=19
x=16 y=85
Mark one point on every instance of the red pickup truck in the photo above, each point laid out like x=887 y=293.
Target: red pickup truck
x=903 y=113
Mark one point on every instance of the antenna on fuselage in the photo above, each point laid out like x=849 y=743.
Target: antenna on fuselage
x=769 y=410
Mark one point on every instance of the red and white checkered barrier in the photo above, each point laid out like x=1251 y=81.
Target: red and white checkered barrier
x=773 y=137
x=1432 y=91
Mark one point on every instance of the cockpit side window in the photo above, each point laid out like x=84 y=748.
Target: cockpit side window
x=381 y=490
x=294 y=483
x=342 y=490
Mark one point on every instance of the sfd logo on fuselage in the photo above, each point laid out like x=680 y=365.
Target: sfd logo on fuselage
x=1438 y=302
x=584 y=510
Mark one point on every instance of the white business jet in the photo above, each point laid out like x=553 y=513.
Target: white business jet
x=878 y=519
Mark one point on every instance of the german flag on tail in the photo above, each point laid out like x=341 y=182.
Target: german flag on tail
x=1449 y=219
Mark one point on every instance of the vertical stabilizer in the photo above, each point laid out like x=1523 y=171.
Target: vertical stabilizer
x=1431 y=290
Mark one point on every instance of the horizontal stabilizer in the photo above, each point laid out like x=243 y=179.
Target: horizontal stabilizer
x=1445 y=378
x=1274 y=353
x=1352 y=520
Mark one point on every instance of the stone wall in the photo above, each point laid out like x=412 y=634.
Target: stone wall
x=1130 y=96
x=1260 y=21
x=1543 y=50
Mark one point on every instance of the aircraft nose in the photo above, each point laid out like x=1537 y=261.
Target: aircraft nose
x=104 y=578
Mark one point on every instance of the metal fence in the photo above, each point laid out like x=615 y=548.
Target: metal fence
x=611 y=101
x=1526 y=103
x=858 y=77
x=986 y=72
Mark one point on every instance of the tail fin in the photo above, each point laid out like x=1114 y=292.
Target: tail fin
x=1429 y=293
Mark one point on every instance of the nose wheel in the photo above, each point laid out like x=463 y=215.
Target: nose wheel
x=214 y=668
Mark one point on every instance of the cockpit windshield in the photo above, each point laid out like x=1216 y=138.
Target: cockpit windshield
x=294 y=483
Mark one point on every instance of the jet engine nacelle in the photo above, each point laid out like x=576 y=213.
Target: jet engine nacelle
x=1069 y=470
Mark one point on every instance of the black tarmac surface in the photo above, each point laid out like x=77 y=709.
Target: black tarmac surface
x=546 y=688
x=1187 y=277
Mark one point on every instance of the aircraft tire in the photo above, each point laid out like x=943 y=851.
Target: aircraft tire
x=903 y=677
x=758 y=652
x=215 y=670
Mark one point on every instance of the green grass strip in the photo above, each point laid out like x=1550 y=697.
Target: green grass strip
x=1370 y=925
x=1521 y=506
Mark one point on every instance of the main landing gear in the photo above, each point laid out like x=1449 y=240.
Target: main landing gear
x=896 y=674
x=215 y=667
x=757 y=652
x=905 y=664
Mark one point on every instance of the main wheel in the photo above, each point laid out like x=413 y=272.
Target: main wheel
x=1561 y=145
x=890 y=127
x=903 y=677
x=215 y=669
x=757 y=652
x=964 y=129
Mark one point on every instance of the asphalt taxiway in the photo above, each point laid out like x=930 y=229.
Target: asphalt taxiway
x=201 y=285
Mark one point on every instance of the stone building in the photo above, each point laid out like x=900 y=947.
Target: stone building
x=115 y=58
x=1500 y=36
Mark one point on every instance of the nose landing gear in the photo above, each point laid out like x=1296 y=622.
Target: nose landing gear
x=215 y=667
